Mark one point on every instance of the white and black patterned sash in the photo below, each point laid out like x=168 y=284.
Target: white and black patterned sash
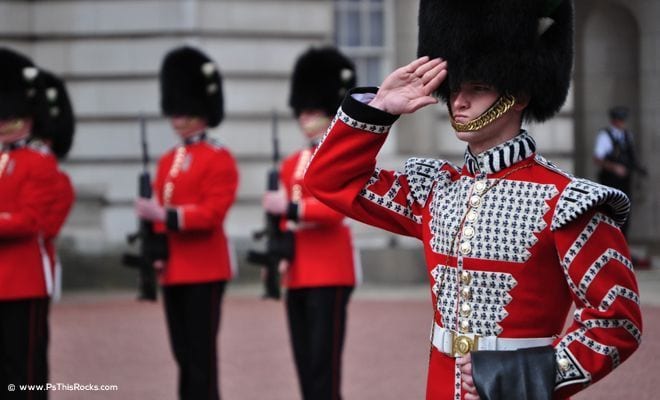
x=502 y=156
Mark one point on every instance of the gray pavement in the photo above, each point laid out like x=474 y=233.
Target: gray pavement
x=110 y=339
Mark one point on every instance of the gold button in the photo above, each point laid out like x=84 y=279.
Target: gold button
x=471 y=216
x=480 y=187
x=466 y=310
x=468 y=232
x=564 y=364
x=475 y=201
x=466 y=248
x=466 y=278
x=466 y=293
x=465 y=325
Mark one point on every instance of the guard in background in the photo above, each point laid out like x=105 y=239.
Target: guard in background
x=54 y=127
x=323 y=271
x=195 y=185
x=614 y=154
x=514 y=246
x=28 y=180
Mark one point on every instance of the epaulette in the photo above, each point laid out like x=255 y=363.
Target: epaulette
x=214 y=143
x=422 y=173
x=581 y=195
x=39 y=146
x=552 y=167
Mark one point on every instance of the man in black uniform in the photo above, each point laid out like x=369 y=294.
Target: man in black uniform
x=614 y=154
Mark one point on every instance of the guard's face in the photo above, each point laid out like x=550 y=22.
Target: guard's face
x=471 y=100
x=313 y=123
x=187 y=126
x=14 y=129
x=474 y=100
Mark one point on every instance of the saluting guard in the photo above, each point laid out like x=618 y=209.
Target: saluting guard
x=511 y=241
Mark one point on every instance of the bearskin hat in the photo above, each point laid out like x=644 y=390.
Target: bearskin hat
x=521 y=47
x=191 y=84
x=321 y=78
x=54 y=119
x=18 y=85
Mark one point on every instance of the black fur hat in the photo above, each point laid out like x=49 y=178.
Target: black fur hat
x=191 y=84
x=54 y=120
x=522 y=47
x=321 y=78
x=19 y=78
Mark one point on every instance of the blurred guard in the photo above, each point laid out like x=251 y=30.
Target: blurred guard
x=322 y=273
x=54 y=127
x=28 y=181
x=195 y=186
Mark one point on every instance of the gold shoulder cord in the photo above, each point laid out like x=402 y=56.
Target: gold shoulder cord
x=502 y=105
x=4 y=160
x=296 y=190
x=168 y=191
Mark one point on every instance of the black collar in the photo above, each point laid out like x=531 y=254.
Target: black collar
x=501 y=156
x=200 y=137
x=15 y=145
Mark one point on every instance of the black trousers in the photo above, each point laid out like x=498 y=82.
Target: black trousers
x=23 y=347
x=193 y=320
x=317 y=324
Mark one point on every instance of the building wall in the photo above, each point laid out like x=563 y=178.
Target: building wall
x=109 y=53
x=617 y=62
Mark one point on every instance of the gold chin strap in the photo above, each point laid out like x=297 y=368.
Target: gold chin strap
x=12 y=126
x=502 y=105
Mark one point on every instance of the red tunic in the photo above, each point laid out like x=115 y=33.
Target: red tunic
x=323 y=249
x=57 y=214
x=27 y=189
x=510 y=241
x=198 y=183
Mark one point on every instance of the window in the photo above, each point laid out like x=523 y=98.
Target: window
x=361 y=34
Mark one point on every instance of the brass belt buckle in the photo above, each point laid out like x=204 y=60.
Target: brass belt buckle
x=462 y=345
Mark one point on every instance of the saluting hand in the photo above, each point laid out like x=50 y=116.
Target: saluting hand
x=150 y=210
x=410 y=87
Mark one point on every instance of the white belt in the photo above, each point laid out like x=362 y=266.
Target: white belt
x=456 y=344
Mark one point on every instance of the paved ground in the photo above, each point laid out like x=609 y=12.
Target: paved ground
x=110 y=339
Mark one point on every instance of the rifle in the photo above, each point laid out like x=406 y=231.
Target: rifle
x=279 y=243
x=152 y=246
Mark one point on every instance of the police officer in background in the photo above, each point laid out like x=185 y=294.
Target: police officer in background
x=322 y=273
x=194 y=188
x=27 y=189
x=54 y=127
x=614 y=154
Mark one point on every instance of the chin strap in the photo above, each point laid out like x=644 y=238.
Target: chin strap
x=501 y=106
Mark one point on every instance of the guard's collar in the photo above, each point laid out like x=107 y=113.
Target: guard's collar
x=15 y=145
x=501 y=156
x=200 y=137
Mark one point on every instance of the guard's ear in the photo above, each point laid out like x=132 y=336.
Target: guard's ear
x=522 y=101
